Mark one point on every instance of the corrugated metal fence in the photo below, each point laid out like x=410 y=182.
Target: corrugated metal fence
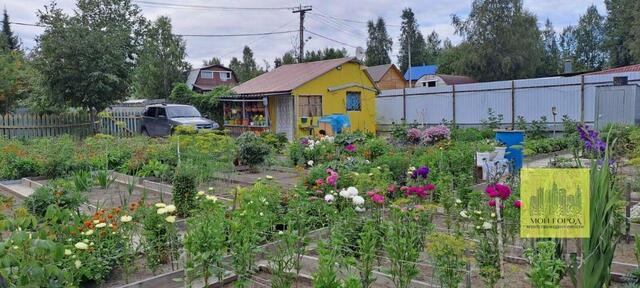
x=79 y=124
x=468 y=104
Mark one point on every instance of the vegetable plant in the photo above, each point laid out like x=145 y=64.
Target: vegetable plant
x=546 y=269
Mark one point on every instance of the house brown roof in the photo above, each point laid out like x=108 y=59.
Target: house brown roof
x=288 y=77
x=456 y=79
x=630 y=68
x=377 y=72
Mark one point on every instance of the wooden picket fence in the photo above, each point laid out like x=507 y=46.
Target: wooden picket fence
x=25 y=126
x=120 y=123
x=78 y=124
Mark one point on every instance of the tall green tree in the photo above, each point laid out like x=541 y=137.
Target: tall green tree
x=86 y=59
x=10 y=41
x=433 y=47
x=622 y=15
x=451 y=58
x=379 y=43
x=411 y=39
x=567 y=44
x=550 y=64
x=161 y=61
x=212 y=61
x=589 y=34
x=16 y=80
x=504 y=39
x=325 y=54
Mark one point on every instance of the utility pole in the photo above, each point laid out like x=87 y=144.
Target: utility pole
x=409 y=48
x=302 y=10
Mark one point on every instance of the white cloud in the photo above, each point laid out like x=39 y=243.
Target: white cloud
x=432 y=15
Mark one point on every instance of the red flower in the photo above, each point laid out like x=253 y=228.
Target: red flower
x=518 y=203
x=503 y=190
x=377 y=198
x=391 y=188
x=430 y=187
x=492 y=203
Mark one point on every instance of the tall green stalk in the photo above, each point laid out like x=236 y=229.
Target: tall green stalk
x=604 y=226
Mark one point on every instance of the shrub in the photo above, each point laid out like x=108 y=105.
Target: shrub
x=447 y=252
x=60 y=193
x=184 y=190
x=546 y=269
x=375 y=147
x=276 y=140
x=14 y=167
x=252 y=150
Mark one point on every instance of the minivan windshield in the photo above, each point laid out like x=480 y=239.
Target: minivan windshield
x=182 y=112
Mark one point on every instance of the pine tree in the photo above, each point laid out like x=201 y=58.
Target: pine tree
x=411 y=39
x=379 y=44
x=160 y=63
x=550 y=64
x=433 y=47
x=11 y=41
x=212 y=61
x=568 y=44
x=619 y=38
x=589 y=36
x=236 y=66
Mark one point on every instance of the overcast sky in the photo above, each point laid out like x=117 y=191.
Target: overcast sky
x=431 y=15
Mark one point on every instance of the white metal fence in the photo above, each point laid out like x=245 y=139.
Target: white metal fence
x=468 y=104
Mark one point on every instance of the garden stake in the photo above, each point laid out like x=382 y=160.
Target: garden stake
x=500 y=241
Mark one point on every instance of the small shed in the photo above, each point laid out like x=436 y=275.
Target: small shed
x=438 y=80
x=292 y=98
x=387 y=76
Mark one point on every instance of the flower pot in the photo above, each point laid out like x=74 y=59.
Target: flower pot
x=482 y=158
x=500 y=153
x=245 y=122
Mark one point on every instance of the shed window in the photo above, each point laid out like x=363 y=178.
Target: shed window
x=310 y=106
x=224 y=76
x=205 y=74
x=353 y=101
x=431 y=84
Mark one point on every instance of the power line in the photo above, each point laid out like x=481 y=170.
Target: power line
x=255 y=40
x=350 y=20
x=334 y=26
x=27 y=24
x=341 y=25
x=191 y=35
x=237 y=35
x=190 y=6
x=330 y=39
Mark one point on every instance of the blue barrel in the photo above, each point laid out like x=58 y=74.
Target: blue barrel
x=513 y=139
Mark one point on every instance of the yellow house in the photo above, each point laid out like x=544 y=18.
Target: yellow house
x=292 y=98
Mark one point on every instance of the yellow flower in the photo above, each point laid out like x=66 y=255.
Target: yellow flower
x=78 y=264
x=161 y=211
x=88 y=233
x=101 y=225
x=96 y=221
x=161 y=205
x=200 y=193
x=269 y=177
x=212 y=198
x=170 y=208
x=170 y=219
x=126 y=218
x=81 y=246
x=67 y=252
x=210 y=188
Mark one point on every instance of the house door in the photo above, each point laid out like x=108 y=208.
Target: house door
x=284 y=115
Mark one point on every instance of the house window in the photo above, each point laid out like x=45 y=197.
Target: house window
x=206 y=74
x=224 y=76
x=424 y=84
x=353 y=101
x=310 y=106
x=431 y=84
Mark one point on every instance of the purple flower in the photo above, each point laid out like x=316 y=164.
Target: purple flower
x=350 y=148
x=436 y=133
x=414 y=135
x=304 y=141
x=420 y=172
x=591 y=140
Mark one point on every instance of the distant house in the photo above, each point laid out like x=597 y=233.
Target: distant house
x=204 y=79
x=623 y=69
x=416 y=72
x=291 y=99
x=427 y=76
x=387 y=76
x=442 y=80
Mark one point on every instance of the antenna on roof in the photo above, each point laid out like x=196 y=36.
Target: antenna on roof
x=360 y=53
